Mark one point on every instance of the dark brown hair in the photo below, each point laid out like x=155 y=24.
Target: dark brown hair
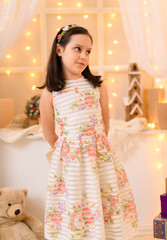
x=55 y=80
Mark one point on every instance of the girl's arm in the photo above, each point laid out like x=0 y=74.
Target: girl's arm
x=47 y=117
x=104 y=107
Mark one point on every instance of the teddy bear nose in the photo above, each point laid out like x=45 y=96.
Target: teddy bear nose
x=17 y=212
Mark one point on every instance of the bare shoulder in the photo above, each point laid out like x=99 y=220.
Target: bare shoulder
x=102 y=88
x=46 y=96
x=46 y=93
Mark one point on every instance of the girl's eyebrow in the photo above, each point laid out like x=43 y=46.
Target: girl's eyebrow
x=76 y=44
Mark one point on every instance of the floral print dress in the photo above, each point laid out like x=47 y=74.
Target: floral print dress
x=88 y=196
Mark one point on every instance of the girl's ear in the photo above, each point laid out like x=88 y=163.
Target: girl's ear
x=59 y=50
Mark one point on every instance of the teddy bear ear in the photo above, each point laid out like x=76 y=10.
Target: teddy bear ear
x=25 y=191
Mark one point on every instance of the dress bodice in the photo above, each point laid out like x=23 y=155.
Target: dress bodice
x=77 y=107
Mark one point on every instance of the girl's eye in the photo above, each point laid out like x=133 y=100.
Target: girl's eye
x=78 y=49
x=88 y=52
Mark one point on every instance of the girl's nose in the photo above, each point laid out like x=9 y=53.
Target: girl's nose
x=83 y=55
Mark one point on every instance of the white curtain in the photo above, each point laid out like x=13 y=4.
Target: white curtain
x=15 y=16
x=145 y=28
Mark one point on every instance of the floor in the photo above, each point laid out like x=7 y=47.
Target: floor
x=148 y=237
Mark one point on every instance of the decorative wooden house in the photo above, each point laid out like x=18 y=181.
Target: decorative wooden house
x=133 y=103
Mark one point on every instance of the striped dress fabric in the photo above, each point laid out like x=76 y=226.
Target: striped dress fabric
x=88 y=194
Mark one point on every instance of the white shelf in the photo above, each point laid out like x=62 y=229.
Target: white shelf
x=155 y=131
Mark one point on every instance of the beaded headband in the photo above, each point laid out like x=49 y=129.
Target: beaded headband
x=64 y=30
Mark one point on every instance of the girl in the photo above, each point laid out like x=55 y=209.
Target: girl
x=88 y=193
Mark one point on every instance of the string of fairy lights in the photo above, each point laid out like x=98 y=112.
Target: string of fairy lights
x=27 y=48
x=160 y=158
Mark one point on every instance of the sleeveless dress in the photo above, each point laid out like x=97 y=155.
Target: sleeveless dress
x=88 y=195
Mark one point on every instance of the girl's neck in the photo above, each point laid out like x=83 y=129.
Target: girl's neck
x=73 y=77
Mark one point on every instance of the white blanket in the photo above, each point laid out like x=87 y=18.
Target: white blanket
x=15 y=131
x=121 y=134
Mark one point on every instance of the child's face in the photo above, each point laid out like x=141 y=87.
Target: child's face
x=75 y=55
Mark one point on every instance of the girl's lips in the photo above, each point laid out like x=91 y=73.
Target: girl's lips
x=81 y=63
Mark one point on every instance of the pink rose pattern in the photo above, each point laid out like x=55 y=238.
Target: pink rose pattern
x=86 y=99
x=129 y=211
x=72 y=152
x=82 y=218
x=109 y=203
x=84 y=214
x=122 y=177
x=57 y=186
x=54 y=218
x=112 y=205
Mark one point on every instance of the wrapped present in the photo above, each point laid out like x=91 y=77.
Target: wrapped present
x=163 y=198
x=160 y=227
